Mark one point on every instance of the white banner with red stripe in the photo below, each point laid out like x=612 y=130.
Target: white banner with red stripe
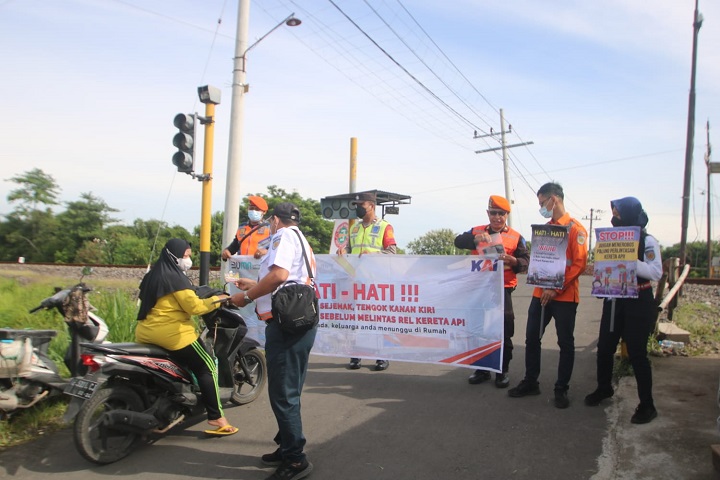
x=416 y=308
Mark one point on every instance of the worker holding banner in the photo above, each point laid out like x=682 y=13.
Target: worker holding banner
x=514 y=254
x=369 y=234
x=558 y=299
x=632 y=319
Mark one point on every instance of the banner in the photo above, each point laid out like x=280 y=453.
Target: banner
x=548 y=256
x=416 y=308
x=616 y=255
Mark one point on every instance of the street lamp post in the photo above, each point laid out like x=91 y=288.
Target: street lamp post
x=239 y=89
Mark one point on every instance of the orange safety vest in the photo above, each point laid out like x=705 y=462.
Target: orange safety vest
x=576 y=255
x=510 y=239
x=249 y=242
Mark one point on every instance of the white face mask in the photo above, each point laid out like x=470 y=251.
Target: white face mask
x=255 y=215
x=185 y=264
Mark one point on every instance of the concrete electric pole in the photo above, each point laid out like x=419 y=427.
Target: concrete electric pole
x=504 y=147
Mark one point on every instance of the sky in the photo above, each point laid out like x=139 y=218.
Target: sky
x=600 y=89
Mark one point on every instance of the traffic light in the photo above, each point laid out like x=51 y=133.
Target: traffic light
x=184 y=140
x=334 y=207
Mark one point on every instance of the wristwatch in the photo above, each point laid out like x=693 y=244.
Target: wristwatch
x=248 y=300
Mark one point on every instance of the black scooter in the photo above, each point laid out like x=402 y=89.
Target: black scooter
x=134 y=391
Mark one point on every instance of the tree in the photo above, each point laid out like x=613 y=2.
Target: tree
x=317 y=230
x=36 y=187
x=436 y=242
x=696 y=256
x=83 y=220
x=28 y=231
x=33 y=237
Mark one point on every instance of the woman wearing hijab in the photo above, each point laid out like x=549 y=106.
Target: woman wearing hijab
x=634 y=317
x=168 y=302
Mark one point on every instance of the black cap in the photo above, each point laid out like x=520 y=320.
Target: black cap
x=364 y=197
x=287 y=211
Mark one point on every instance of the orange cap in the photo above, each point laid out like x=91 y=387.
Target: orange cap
x=259 y=202
x=496 y=201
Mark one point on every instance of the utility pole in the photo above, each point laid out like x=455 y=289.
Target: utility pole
x=590 y=232
x=504 y=147
x=689 y=145
x=712 y=167
x=239 y=89
x=237 y=110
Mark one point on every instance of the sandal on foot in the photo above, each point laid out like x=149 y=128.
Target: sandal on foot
x=226 y=430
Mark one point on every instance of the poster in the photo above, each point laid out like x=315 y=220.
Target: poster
x=616 y=254
x=548 y=256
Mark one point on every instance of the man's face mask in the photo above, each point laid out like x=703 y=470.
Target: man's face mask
x=544 y=211
x=255 y=215
x=360 y=211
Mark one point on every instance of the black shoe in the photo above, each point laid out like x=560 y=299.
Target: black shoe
x=502 y=380
x=594 y=399
x=524 y=388
x=292 y=471
x=644 y=414
x=479 y=376
x=272 y=459
x=561 y=399
x=354 y=364
x=381 y=365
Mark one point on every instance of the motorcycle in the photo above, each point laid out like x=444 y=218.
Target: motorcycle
x=135 y=391
x=27 y=374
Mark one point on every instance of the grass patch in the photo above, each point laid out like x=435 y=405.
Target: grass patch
x=702 y=320
x=29 y=424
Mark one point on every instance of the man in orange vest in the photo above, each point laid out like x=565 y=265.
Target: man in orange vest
x=253 y=237
x=515 y=259
x=558 y=303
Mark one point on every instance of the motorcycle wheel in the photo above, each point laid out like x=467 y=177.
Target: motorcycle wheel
x=247 y=389
x=96 y=443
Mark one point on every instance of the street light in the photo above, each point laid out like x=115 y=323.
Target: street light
x=239 y=88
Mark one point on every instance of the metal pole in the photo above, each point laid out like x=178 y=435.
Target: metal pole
x=353 y=176
x=206 y=216
x=232 y=185
x=697 y=23
x=590 y=234
x=709 y=222
x=709 y=236
x=506 y=170
x=353 y=164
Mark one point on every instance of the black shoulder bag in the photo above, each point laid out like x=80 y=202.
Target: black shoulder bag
x=295 y=305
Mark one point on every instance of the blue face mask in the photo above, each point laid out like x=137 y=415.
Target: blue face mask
x=255 y=215
x=545 y=212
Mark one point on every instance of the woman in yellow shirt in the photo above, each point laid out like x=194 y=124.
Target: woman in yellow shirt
x=168 y=302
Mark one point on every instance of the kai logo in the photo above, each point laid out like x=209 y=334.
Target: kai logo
x=483 y=265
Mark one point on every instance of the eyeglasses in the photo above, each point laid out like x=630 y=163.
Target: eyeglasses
x=497 y=213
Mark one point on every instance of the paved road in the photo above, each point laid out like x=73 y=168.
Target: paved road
x=426 y=422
